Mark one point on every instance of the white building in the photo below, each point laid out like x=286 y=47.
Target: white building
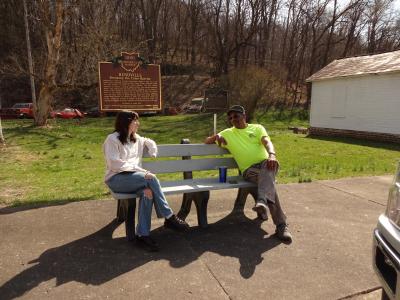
x=358 y=97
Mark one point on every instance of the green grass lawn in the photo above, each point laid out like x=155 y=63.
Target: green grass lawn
x=64 y=162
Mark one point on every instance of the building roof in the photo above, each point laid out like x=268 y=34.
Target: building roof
x=358 y=66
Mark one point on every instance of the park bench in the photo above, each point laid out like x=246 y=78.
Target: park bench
x=186 y=158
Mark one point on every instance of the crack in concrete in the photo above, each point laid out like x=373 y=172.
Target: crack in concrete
x=350 y=193
x=361 y=293
x=209 y=270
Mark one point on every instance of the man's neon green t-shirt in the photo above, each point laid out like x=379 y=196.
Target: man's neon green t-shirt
x=245 y=144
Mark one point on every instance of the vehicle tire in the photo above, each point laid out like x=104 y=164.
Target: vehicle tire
x=384 y=295
x=23 y=116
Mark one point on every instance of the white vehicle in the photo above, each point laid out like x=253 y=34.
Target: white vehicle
x=196 y=105
x=386 y=244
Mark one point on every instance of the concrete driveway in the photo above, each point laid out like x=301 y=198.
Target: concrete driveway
x=77 y=250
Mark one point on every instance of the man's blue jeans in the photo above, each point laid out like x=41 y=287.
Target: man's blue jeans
x=134 y=182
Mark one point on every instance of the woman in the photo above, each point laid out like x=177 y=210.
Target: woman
x=123 y=150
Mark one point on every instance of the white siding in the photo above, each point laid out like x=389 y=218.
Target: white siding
x=367 y=103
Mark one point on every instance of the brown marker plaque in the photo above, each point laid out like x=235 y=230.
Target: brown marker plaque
x=129 y=85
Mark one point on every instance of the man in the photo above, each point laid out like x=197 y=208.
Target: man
x=255 y=155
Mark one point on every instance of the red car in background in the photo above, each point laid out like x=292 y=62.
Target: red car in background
x=17 y=111
x=67 y=113
x=23 y=110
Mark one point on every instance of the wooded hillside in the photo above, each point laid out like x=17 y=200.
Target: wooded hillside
x=286 y=40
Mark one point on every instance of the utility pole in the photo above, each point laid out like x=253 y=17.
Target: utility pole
x=28 y=46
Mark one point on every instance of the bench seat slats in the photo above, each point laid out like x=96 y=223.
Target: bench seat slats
x=194 y=185
x=176 y=150
x=172 y=166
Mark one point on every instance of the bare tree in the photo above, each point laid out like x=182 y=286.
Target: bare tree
x=353 y=27
x=232 y=27
x=194 y=8
x=319 y=29
x=52 y=26
x=2 y=139
x=30 y=61
x=150 y=10
x=268 y=14
x=378 y=22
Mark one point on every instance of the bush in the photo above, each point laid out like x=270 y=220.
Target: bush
x=252 y=87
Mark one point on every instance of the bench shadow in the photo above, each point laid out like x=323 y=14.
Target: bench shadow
x=99 y=258
x=235 y=236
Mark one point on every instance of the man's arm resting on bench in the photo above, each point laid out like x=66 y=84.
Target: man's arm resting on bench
x=215 y=138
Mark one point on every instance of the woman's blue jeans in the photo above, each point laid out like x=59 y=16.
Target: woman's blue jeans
x=134 y=182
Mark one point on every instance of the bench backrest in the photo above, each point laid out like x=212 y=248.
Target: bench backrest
x=198 y=162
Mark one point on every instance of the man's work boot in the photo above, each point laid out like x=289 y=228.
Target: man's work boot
x=283 y=233
x=176 y=224
x=261 y=210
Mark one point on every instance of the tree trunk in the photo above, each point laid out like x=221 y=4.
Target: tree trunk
x=44 y=104
x=330 y=36
x=2 y=139
x=150 y=11
x=48 y=85
x=28 y=46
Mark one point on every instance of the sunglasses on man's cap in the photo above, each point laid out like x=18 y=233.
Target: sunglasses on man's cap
x=236 y=108
x=234 y=116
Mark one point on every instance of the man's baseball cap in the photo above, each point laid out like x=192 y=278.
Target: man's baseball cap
x=236 y=108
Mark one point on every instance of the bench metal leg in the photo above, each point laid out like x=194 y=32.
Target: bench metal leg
x=186 y=206
x=242 y=196
x=201 y=202
x=200 y=198
x=130 y=220
x=120 y=212
x=127 y=208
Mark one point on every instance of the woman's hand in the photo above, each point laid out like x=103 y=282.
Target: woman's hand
x=149 y=175
x=148 y=193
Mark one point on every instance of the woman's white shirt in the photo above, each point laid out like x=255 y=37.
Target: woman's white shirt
x=126 y=157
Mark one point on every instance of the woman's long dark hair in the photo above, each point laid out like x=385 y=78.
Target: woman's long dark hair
x=122 y=122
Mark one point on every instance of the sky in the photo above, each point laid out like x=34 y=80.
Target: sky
x=395 y=5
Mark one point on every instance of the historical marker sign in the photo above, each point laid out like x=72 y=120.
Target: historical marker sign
x=217 y=99
x=129 y=85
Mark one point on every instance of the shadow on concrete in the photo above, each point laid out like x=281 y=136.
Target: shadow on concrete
x=98 y=258
x=235 y=236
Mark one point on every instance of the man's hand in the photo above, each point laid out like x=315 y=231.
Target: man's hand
x=216 y=138
x=220 y=140
x=271 y=163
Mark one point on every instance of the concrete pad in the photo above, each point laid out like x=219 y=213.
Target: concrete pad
x=77 y=251
x=330 y=257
